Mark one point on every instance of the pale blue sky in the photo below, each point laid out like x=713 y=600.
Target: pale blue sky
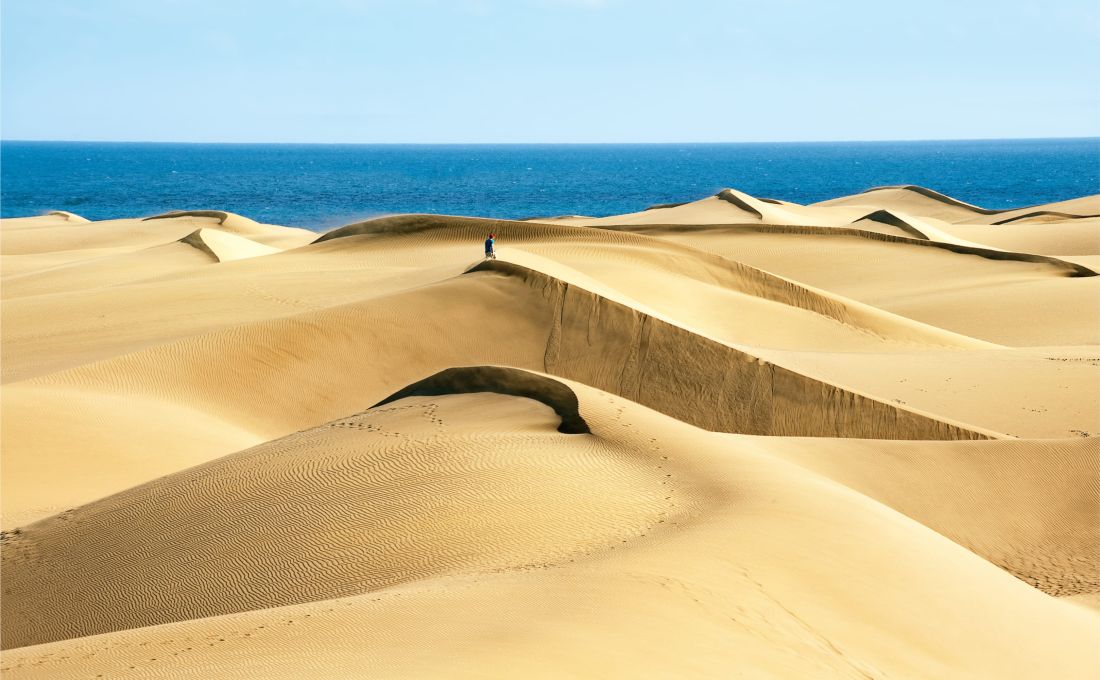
x=548 y=70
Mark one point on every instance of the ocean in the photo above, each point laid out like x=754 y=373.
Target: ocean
x=319 y=186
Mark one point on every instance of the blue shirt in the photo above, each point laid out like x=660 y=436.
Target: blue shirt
x=488 y=245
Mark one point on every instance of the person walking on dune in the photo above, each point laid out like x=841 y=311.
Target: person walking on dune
x=490 y=254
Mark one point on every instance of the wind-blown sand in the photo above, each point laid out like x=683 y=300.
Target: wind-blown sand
x=736 y=437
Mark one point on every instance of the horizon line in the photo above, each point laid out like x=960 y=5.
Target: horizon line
x=623 y=143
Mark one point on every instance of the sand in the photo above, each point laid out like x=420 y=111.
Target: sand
x=736 y=437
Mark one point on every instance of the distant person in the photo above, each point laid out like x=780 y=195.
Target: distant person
x=490 y=254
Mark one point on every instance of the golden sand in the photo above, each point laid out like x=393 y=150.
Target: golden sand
x=737 y=437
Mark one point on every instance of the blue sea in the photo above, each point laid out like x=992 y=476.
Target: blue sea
x=321 y=186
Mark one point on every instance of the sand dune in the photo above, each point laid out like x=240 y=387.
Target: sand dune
x=929 y=203
x=352 y=506
x=917 y=199
x=1019 y=504
x=1078 y=236
x=1042 y=216
x=51 y=233
x=513 y=527
x=69 y=217
x=206 y=373
x=225 y=246
x=735 y=436
x=1062 y=299
x=906 y=211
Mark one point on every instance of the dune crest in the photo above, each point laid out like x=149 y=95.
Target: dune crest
x=500 y=380
x=69 y=217
x=195 y=240
x=220 y=215
x=751 y=395
x=224 y=246
x=935 y=196
x=887 y=217
x=1042 y=215
x=742 y=201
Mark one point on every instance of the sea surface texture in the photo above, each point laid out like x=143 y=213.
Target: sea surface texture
x=321 y=186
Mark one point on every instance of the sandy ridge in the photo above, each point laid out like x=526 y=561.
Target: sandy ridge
x=753 y=397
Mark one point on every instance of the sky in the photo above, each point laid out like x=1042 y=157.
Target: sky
x=547 y=71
